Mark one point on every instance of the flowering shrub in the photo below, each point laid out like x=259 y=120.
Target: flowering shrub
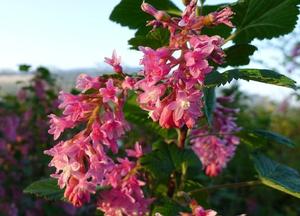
x=125 y=156
x=23 y=136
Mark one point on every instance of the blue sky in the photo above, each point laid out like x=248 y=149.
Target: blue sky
x=62 y=33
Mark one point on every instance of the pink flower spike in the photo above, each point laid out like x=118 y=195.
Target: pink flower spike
x=110 y=92
x=137 y=152
x=115 y=62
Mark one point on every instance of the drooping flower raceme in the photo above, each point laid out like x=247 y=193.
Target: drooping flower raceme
x=216 y=146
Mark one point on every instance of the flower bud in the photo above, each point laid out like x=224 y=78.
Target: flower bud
x=186 y=2
x=148 y=9
x=159 y=15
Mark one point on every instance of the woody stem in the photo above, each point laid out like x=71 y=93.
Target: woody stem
x=182 y=133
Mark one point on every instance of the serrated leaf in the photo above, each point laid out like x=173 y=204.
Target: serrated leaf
x=128 y=12
x=265 y=76
x=274 y=137
x=167 y=158
x=154 y=39
x=260 y=137
x=239 y=54
x=277 y=176
x=46 y=188
x=209 y=103
x=264 y=19
x=159 y=163
x=190 y=185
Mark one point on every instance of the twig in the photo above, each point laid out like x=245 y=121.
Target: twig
x=228 y=185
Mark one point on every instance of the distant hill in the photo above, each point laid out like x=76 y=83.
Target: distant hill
x=11 y=80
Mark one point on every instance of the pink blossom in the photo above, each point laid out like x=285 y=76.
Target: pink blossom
x=58 y=125
x=64 y=164
x=151 y=94
x=97 y=134
x=75 y=107
x=189 y=14
x=128 y=83
x=184 y=110
x=159 y=15
x=113 y=127
x=110 y=92
x=115 y=62
x=211 y=46
x=197 y=63
x=119 y=202
x=148 y=8
x=137 y=152
x=79 y=189
x=85 y=82
x=155 y=63
x=222 y=17
x=198 y=210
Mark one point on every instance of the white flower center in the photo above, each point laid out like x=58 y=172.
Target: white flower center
x=185 y=104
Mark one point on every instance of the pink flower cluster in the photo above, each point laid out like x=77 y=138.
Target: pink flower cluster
x=173 y=76
x=82 y=163
x=169 y=87
x=216 y=146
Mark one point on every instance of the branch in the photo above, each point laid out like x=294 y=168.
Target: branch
x=228 y=185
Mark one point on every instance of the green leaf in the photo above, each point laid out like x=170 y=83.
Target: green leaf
x=277 y=176
x=239 y=54
x=265 y=76
x=264 y=19
x=154 y=39
x=167 y=158
x=274 y=137
x=24 y=67
x=260 y=137
x=167 y=207
x=129 y=13
x=46 y=188
x=209 y=103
